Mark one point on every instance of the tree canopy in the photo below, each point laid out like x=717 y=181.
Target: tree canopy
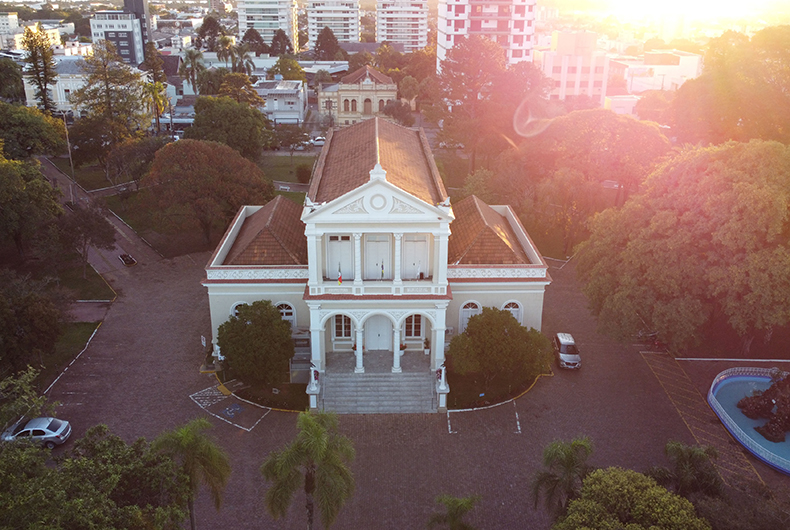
x=244 y=128
x=12 y=87
x=256 y=43
x=497 y=348
x=204 y=183
x=326 y=45
x=742 y=92
x=237 y=86
x=83 y=227
x=28 y=132
x=257 y=343
x=154 y=64
x=281 y=44
x=621 y=498
x=209 y=33
x=702 y=247
x=191 y=67
x=288 y=67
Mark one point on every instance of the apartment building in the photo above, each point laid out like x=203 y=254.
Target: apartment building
x=124 y=30
x=575 y=65
x=341 y=16
x=511 y=23
x=403 y=22
x=267 y=16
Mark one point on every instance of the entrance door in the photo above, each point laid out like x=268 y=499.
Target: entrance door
x=377 y=257
x=378 y=333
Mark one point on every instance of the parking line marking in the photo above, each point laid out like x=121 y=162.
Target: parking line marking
x=518 y=423
x=449 y=428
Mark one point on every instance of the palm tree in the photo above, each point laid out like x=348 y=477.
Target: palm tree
x=155 y=99
x=317 y=460
x=201 y=459
x=241 y=59
x=224 y=49
x=191 y=66
x=457 y=508
x=692 y=470
x=567 y=466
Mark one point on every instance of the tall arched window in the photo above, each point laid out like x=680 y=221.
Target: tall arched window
x=469 y=310
x=381 y=105
x=353 y=105
x=287 y=314
x=367 y=108
x=515 y=310
x=345 y=105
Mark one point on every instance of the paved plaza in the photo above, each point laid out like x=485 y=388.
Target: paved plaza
x=140 y=376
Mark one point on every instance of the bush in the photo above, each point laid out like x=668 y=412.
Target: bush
x=303 y=173
x=257 y=343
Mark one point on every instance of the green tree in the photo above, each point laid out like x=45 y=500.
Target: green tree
x=320 y=77
x=456 y=509
x=204 y=183
x=84 y=227
x=692 y=470
x=209 y=81
x=131 y=160
x=209 y=33
x=358 y=60
x=112 y=95
x=241 y=60
x=281 y=44
x=257 y=343
x=238 y=88
x=654 y=105
x=28 y=132
x=290 y=136
x=621 y=498
x=317 y=460
x=566 y=467
x=191 y=67
x=288 y=67
x=12 y=87
x=30 y=323
x=244 y=128
x=408 y=88
x=699 y=251
x=496 y=348
x=27 y=201
x=154 y=64
x=20 y=395
x=224 y=45
x=326 y=45
x=399 y=111
x=40 y=65
x=256 y=43
x=200 y=458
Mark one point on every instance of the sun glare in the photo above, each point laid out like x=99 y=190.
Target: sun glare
x=689 y=9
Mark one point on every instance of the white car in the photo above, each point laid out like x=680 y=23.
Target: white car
x=49 y=432
x=319 y=141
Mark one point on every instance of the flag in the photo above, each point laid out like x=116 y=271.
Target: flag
x=382 y=270
x=339 y=274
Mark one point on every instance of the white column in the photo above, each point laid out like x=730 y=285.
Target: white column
x=357 y=260
x=398 y=238
x=441 y=265
x=396 y=350
x=438 y=336
x=316 y=339
x=312 y=259
x=359 y=369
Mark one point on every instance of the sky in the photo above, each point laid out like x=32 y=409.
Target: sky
x=690 y=9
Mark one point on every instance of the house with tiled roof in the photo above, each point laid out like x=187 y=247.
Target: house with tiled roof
x=358 y=96
x=377 y=263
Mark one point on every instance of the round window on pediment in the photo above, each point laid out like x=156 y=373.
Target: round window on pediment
x=378 y=202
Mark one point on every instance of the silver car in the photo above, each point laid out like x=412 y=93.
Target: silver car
x=565 y=351
x=49 y=432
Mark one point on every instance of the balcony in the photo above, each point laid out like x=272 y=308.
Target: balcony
x=425 y=288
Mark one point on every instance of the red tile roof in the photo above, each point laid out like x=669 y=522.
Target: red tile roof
x=274 y=235
x=366 y=71
x=481 y=236
x=350 y=153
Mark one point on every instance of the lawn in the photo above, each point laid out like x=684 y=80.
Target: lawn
x=295 y=196
x=90 y=177
x=277 y=167
x=92 y=287
x=73 y=340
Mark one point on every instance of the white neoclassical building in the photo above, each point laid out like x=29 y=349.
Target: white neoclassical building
x=377 y=258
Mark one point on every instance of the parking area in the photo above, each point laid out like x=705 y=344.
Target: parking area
x=140 y=376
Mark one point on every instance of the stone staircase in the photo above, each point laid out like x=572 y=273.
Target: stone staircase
x=378 y=393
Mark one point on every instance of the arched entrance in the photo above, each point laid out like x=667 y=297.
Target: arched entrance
x=368 y=107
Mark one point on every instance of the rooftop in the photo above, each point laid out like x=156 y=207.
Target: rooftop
x=481 y=236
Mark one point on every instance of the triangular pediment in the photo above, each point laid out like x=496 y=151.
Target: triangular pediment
x=376 y=201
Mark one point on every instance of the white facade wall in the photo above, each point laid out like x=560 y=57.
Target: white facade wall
x=267 y=16
x=576 y=75
x=123 y=30
x=403 y=22
x=68 y=83
x=341 y=16
x=8 y=22
x=511 y=23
